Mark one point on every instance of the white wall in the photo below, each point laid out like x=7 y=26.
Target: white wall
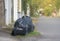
x=15 y=10
x=20 y=14
x=8 y=7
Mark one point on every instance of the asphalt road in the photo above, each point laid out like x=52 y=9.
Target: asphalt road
x=49 y=28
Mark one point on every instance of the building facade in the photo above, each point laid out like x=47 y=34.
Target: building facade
x=2 y=13
x=10 y=10
x=13 y=10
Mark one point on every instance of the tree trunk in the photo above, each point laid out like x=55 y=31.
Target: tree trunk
x=24 y=6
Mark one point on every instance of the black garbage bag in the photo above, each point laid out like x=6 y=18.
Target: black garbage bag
x=23 y=26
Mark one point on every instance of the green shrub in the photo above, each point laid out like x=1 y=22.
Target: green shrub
x=48 y=11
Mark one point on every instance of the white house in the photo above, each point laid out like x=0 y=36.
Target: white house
x=12 y=8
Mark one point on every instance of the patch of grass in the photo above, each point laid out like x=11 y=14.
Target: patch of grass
x=35 y=33
x=31 y=34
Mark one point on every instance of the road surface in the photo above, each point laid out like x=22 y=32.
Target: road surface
x=49 y=28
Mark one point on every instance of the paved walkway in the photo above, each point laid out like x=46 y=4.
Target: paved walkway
x=4 y=36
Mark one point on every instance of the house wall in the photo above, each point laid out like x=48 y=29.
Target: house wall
x=17 y=9
x=8 y=7
x=2 y=13
x=17 y=12
x=8 y=10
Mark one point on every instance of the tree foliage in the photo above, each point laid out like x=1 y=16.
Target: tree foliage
x=57 y=4
x=35 y=5
x=24 y=6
